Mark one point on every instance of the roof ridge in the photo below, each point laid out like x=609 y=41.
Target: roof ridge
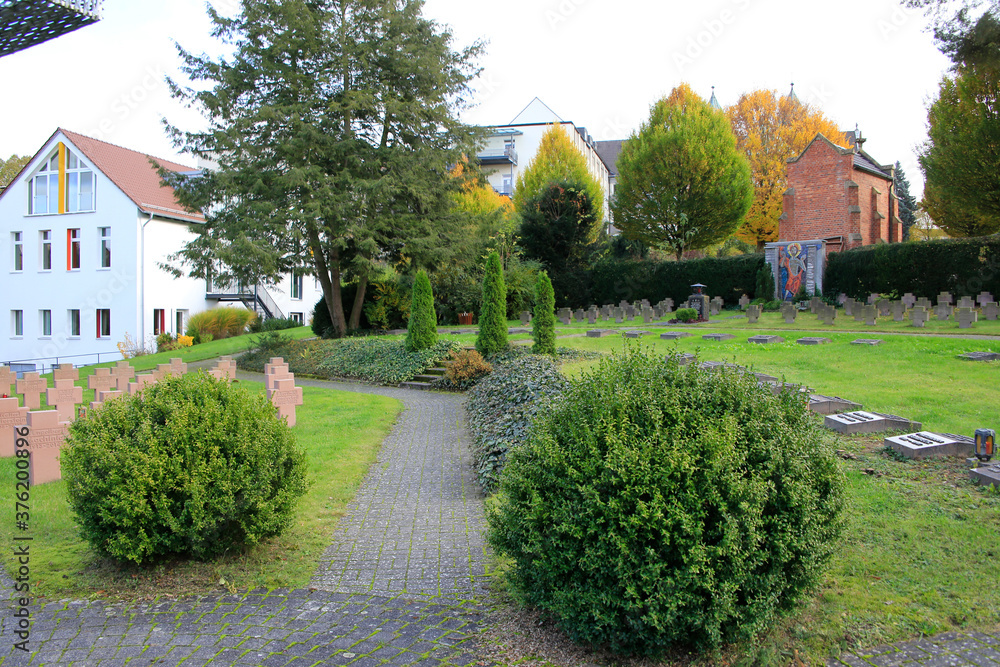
x=71 y=133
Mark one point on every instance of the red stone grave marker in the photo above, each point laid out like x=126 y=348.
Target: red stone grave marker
x=7 y=378
x=64 y=396
x=45 y=435
x=65 y=372
x=11 y=416
x=31 y=387
x=177 y=366
x=122 y=372
x=141 y=382
x=101 y=380
x=285 y=396
x=276 y=370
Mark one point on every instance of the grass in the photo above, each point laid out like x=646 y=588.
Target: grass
x=340 y=431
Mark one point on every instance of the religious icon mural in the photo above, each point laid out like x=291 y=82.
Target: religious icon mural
x=791 y=270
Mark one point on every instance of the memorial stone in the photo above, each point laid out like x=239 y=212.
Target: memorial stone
x=64 y=396
x=285 y=396
x=669 y=303
x=11 y=416
x=601 y=333
x=753 y=313
x=7 y=378
x=45 y=435
x=944 y=298
x=831 y=405
x=31 y=386
x=984 y=298
x=924 y=444
x=525 y=317
x=65 y=372
x=101 y=380
x=141 y=382
x=924 y=303
x=102 y=397
x=918 y=315
x=943 y=311
x=966 y=317
x=580 y=315
x=884 y=307
x=718 y=336
x=636 y=334
x=122 y=373
x=966 y=302
x=871 y=316
x=981 y=356
x=868 y=422
x=765 y=340
x=647 y=316
x=842 y=298
x=898 y=311
x=871 y=342
x=991 y=310
x=714 y=308
x=986 y=475
x=813 y=340
x=674 y=335
x=230 y=366
x=744 y=302
x=789 y=313
x=849 y=307
x=564 y=319
x=591 y=317
x=909 y=300
x=827 y=315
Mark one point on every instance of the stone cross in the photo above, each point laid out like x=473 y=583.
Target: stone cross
x=991 y=310
x=789 y=314
x=984 y=298
x=966 y=302
x=7 y=378
x=924 y=302
x=45 y=434
x=966 y=317
x=898 y=311
x=285 y=396
x=177 y=366
x=65 y=372
x=11 y=416
x=591 y=317
x=122 y=373
x=873 y=298
x=870 y=315
x=564 y=319
x=103 y=397
x=884 y=307
x=841 y=298
x=827 y=314
x=580 y=315
x=274 y=371
x=227 y=365
x=669 y=303
x=219 y=374
x=101 y=380
x=944 y=298
x=908 y=300
x=849 y=307
x=744 y=302
x=943 y=311
x=859 y=312
x=64 y=395
x=525 y=317
x=31 y=387
x=918 y=314
x=753 y=313
x=141 y=382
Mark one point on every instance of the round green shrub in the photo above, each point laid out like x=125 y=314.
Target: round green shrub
x=659 y=505
x=421 y=331
x=543 y=321
x=492 y=336
x=191 y=467
x=686 y=314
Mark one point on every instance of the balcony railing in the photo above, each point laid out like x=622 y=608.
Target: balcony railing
x=254 y=297
x=498 y=155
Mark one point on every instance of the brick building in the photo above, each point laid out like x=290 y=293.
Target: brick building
x=839 y=195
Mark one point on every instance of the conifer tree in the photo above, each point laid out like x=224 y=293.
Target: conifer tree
x=907 y=203
x=421 y=331
x=543 y=321
x=493 y=318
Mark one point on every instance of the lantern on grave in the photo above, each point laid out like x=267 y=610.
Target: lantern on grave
x=699 y=301
x=985 y=442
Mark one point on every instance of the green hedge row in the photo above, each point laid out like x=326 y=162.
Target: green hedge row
x=963 y=267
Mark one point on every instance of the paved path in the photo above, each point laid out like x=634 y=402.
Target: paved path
x=398 y=586
x=944 y=650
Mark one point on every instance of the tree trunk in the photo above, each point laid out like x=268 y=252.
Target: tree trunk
x=359 y=300
x=329 y=280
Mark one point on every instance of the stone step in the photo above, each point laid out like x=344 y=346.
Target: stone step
x=437 y=370
x=423 y=377
x=413 y=384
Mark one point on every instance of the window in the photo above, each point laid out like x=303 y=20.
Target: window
x=74 y=323
x=72 y=249
x=159 y=321
x=296 y=317
x=43 y=188
x=79 y=185
x=296 y=285
x=17 y=323
x=18 y=249
x=46 y=321
x=105 y=234
x=181 y=321
x=45 y=244
x=104 y=323
x=64 y=184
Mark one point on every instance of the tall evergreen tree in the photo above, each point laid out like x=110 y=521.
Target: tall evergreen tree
x=907 y=204
x=557 y=226
x=334 y=123
x=421 y=330
x=543 y=320
x=492 y=336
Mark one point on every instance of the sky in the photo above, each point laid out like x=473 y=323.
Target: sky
x=598 y=63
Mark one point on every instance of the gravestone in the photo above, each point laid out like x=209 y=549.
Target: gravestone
x=122 y=373
x=102 y=397
x=647 y=316
x=898 y=311
x=789 y=313
x=945 y=299
x=981 y=356
x=7 y=378
x=777 y=387
x=31 y=386
x=64 y=396
x=849 y=307
x=101 y=380
x=580 y=315
x=873 y=298
x=943 y=311
x=908 y=300
x=871 y=342
x=636 y=334
x=674 y=335
x=966 y=302
x=884 y=307
x=831 y=405
x=228 y=365
x=764 y=377
x=142 y=381
x=744 y=302
x=827 y=315
x=669 y=303
x=753 y=313
x=285 y=396
x=160 y=372
x=658 y=312
x=718 y=336
x=965 y=317
x=45 y=435
x=685 y=359
x=276 y=370
x=859 y=312
x=600 y=333
x=591 y=317
x=812 y=340
x=924 y=445
x=918 y=315
x=991 y=310
x=619 y=320
x=65 y=372
x=814 y=303
x=868 y=422
x=986 y=475
x=525 y=318
x=984 y=298
x=870 y=315
x=765 y=340
x=924 y=303
x=11 y=416
x=841 y=298
x=714 y=308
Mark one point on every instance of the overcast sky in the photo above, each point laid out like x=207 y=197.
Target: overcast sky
x=598 y=63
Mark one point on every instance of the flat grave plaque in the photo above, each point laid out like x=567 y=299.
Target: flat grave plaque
x=674 y=335
x=986 y=474
x=813 y=340
x=981 y=356
x=685 y=359
x=600 y=333
x=867 y=422
x=765 y=340
x=11 y=416
x=718 y=336
x=831 y=405
x=924 y=445
x=636 y=334
x=777 y=387
x=867 y=341
x=46 y=436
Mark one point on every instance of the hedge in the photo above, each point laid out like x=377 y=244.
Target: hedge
x=963 y=267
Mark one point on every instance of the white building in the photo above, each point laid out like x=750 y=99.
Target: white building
x=511 y=148
x=83 y=230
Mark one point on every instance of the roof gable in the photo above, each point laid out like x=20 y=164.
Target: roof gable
x=861 y=160
x=536 y=113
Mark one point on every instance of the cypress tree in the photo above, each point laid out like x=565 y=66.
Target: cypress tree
x=421 y=331
x=543 y=323
x=493 y=318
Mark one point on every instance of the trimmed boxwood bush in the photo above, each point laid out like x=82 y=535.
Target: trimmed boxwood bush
x=657 y=505
x=543 y=321
x=492 y=336
x=421 y=330
x=501 y=407
x=686 y=315
x=190 y=467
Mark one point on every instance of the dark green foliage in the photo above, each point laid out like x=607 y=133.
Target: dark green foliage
x=543 y=320
x=322 y=324
x=378 y=360
x=501 y=408
x=492 y=336
x=907 y=203
x=611 y=280
x=421 y=331
x=764 y=288
x=657 y=505
x=273 y=324
x=190 y=467
x=686 y=314
x=557 y=225
x=959 y=266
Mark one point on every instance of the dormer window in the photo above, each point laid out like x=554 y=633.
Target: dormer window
x=63 y=184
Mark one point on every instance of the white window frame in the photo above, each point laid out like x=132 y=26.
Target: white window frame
x=45 y=323
x=16 y=323
x=16 y=252
x=102 y=319
x=104 y=250
x=73 y=322
x=45 y=250
x=74 y=242
x=296 y=317
x=76 y=170
x=49 y=174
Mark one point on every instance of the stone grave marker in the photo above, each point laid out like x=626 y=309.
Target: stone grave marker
x=965 y=317
x=765 y=340
x=744 y=302
x=789 y=313
x=31 y=387
x=776 y=387
x=285 y=396
x=65 y=372
x=685 y=359
x=908 y=300
x=849 y=307
x=981 y=356
x=7 y=378
x=924 y=303
x=753 y=313
x=674 y=335
x=870 y=315
x=636 y=334
x=873 y=298
x=591 y=317
x=64 y=395
x=46 y=435
x=580 y=315
x=525 y=317
x=813 y=340
x=177 y=366
x=658 y=312
x=918 y=315
x=219 y=374
x=859 y=312
x=647 y=316
x=101 y=380
x=991 y=310
x=764 y=377
x=669 y=303
x=11 y=417
x=827 y=315
x=984 y=298
x=841 y=298
x=867 y=341
x=831 y=405
x=141 y=382
x=986 y=475
x=718 y=336
x=868 y=422
x=898 y=311
x=122 y=373
x=966 y=302
x=275 y=371
x=943 y=311
x=884 y=307
x=924 y=445
x=601 y=333
x=945 y=298
x=228 y=365
x=161 y=371
x=814 y=303
x=102 y=397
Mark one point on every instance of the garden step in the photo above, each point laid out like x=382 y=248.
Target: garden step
x=424 y=377
x=437 y=370
x=414 y=384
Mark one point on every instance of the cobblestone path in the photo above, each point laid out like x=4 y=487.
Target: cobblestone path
x=398 y=586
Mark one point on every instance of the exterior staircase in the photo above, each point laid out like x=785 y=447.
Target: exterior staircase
x=425 y=379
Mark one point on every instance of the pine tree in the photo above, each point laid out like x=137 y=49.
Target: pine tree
x=543 y=321
x=493 y=318
x=421 y=331
x=907 y=204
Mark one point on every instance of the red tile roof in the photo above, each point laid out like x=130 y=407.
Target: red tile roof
x=136 y=176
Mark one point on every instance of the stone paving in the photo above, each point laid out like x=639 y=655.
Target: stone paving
x=398 y=586
x=943 y=650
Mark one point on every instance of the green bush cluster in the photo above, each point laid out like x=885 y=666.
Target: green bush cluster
x=221 y=322
x=963 y=267
x=501 y=408
x=658 y=505
x=765 y=283
x=189 y=467
x=259 y=325
x=686 y=315
x=421 y=330
x=378 y=360
x=492 y=336
x=543 y=320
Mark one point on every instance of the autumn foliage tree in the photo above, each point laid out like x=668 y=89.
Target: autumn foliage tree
x=770 y=129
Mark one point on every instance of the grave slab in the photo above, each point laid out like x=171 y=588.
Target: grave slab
x=31 y=387
x=765 y=340
x=813 y=340
x=986 y=474
x=601 y=333
x=636 y=334
x=868 y=422
x=867 y=341
x=831 y=405
x=925 y=445
x=777 y=387
x=11 y=416
x=46 y=435
x=674 y=335
x=981 y=356
x=685 y=359
x=718 y=336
